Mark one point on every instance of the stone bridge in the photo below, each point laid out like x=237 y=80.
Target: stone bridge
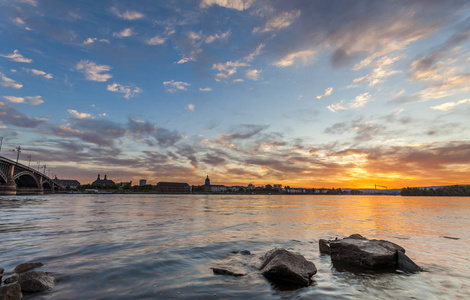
x=18 y=179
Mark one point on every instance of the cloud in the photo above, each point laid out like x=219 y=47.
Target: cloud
x=33 y=100
x=128 y=91
x=280 y=21
x=30 y=2
x=78 y=115
x=222 y=36
x=253 y=74
x=14 y=99
x=156 y=40
x=360 y=100
x=227 y=69
x=450 y=105
x=39 y=73
x=232 y=4
x=90 y=41
x=172 y=86
x=207 y=89
x=242 y=132
x=8 y=82
x=304 y=56
x=93 y=71
x=128 y=14
x=190 y=107
x=11 y=116
x=336 y=107
x=194 y=36
x=381 y=71
x=184 y=60
x=327 y=92
x=16 y=56
x=125 y=33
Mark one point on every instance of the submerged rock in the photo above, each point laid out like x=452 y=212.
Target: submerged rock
x=21 y=268
x=281 y=265
x=358 y=251
x=11 y=292
x=224 y=271
x=11 y=279
x=35 y=281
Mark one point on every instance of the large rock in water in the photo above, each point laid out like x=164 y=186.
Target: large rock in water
x=34 y=281
x=11 y=292
x=284 y=266
x=357 y=251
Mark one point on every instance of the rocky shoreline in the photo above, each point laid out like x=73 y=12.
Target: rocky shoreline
x=24 y=280
x=281 y=267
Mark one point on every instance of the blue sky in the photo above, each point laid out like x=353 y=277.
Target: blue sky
x=300 y=93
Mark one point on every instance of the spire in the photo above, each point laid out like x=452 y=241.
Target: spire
x=105 y=177
x=98 y=177
x=208 y=181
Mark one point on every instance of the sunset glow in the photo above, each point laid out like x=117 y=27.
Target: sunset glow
x=328 y=94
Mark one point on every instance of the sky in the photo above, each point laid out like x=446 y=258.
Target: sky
x=347 y=94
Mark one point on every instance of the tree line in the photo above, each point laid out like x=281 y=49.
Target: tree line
x=455 y=190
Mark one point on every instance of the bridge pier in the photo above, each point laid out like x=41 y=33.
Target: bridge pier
x=9 y=188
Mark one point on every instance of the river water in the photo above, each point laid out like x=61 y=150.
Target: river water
x=163 y=246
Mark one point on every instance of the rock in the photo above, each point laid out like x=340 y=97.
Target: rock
x=284 y=266
x=11 y=279
x=223 y=271
x=21 y=268
x=1 y=274
x=35 y=281
x=243 y=252
x=358 y=251
x=324 y=246
x=2 y=270
x=11 y=292
x=405 y=264
x=371 y=254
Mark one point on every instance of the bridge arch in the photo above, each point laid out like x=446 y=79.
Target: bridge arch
x=26 y=179
x=3 y=178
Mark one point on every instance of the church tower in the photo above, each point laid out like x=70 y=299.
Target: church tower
x=208 y=181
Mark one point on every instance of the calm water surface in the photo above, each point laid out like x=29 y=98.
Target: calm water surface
x=162 y=246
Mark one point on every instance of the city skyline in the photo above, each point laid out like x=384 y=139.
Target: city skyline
x=299 y=93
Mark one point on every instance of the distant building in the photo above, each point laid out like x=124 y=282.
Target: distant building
x=104 y=181
x=173 y=187
x=64 y=183
x=250 y=187
x=122 y=184
x=213 y=188
x=143 y=182
x=277 y=187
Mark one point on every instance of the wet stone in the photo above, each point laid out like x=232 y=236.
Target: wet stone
x=11 y=279
x=35 y=281
x=283 y=266
x=21 y=268
x=11 y=292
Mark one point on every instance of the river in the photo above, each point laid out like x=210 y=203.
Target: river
x=163 y=246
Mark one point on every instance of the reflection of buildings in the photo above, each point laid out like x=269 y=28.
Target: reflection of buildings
x=73 y=184
x=104 y=181
x=173 y=187
x=213 y=188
